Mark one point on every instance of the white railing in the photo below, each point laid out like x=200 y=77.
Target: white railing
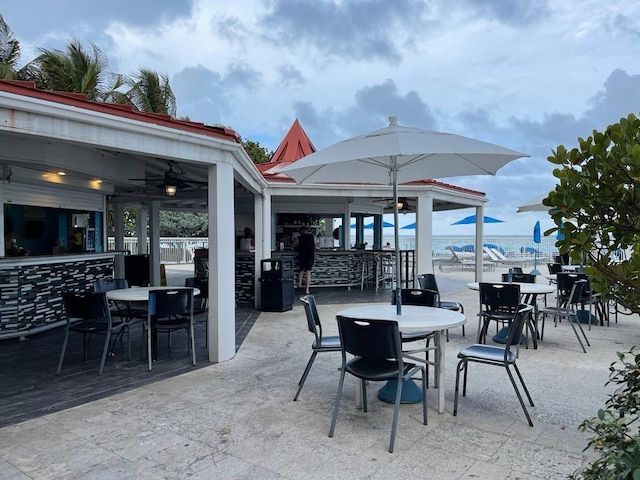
x=172 y=249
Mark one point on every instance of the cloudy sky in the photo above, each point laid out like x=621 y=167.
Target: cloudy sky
x=526 y=74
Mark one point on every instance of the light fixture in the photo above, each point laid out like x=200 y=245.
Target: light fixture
x=170 y=189
x=402 y=203
x=61 y=173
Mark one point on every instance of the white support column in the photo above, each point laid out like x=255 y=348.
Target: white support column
x=221 y=317
x=263 y=222
x=118 y=220
x=424 y=235
x=479 y=242
x=345 y=225
x=154 y=242
x=141 y=228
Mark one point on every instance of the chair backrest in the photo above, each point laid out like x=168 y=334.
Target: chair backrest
x=313 y=319
x=520 y=319
x=376 y=339
x=519 y=277
x=108 y=284
x=516 y=270
x=201 y=283
x=427 y=281
x=166 y=302
x=86 y=306
x=201 y=267
x=554 y=268
x=566 y=280
x=416 y=296
x=499 y=296
x=577 y=292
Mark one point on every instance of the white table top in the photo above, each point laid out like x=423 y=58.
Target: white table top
x=138 y=294
x=413 y=318
x=525 y=288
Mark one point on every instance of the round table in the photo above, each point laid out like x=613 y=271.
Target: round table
x=138 y=294
x=525 y=288
x=141 y=294
x=415 y=319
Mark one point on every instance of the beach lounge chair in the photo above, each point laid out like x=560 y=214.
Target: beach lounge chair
x=497 y=257
x=468 y=260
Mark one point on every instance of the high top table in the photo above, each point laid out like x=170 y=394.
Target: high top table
x=415 y=319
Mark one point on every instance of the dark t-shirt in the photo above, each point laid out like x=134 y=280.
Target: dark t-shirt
x=306 y=249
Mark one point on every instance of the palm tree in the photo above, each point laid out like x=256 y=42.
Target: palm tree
x=76 y=70
x=9 y=52
x=150 y=92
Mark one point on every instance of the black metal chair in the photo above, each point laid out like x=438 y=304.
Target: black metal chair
x=519 y=277
x=421 y=298
x=427 y=281
x=321 y=342
x=377 y=350
x=499 y=303
x=131 y=312
x=568 y=311
x=498 y=356
x=169 y=310
x=88 y=313
x=554 y=269
x=201 y=267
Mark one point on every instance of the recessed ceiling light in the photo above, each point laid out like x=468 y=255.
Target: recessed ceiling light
x=61 y=173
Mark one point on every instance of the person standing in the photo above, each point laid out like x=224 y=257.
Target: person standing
x=306 y=246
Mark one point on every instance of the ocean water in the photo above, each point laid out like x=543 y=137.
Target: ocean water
x=522 y=245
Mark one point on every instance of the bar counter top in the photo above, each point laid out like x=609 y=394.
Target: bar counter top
x=57 y=258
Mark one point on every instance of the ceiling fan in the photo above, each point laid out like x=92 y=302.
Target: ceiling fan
x=171 y=180
x=404 y=204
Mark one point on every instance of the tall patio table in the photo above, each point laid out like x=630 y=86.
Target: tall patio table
x=415 y=319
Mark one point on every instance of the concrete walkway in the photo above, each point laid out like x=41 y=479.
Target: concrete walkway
x=237 y=420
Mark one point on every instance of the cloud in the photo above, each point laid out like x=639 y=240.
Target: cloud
x=350 y=29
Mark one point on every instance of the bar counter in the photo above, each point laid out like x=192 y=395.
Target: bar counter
x=31 y=287
x=335 y=268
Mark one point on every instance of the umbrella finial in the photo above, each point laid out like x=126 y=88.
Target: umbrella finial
x=393 y=120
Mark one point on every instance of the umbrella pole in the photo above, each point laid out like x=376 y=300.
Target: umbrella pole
x=396 y=236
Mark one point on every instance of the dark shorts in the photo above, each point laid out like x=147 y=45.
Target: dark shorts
x=305 y=264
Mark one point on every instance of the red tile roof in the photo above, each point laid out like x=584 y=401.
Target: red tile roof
x=28 y=89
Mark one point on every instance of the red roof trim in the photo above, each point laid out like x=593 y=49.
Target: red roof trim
x=28 y=89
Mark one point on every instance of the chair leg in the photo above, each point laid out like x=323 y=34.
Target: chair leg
x=515 y=387
x=304 y=375
x=396 y=409
x=149 y=352
x=336 y=406
x=193 y=341
x=105 y=350
x=63 y=351
x=573 y=321
x=461 y=365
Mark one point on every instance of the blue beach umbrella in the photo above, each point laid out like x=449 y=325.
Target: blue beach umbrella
x=559 y=234
x=472 y=219
x=411 y=226
x=536 y=239
x=384 y=225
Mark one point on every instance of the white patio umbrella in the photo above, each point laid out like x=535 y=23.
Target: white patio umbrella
x=398 y=154
x=534 y=204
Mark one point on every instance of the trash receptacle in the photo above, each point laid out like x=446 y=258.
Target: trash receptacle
x=276 y=277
